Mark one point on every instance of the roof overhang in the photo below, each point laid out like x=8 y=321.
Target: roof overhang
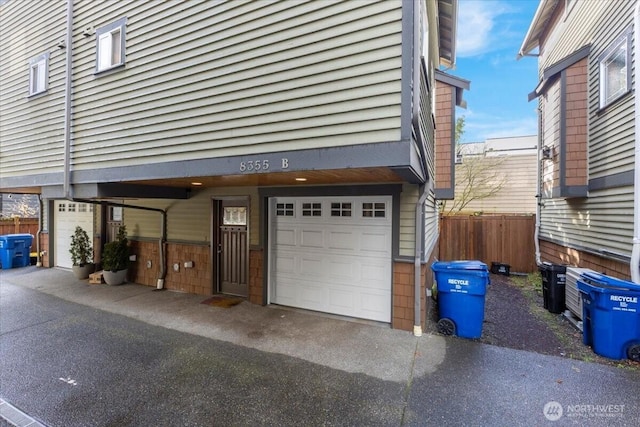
x=538 y=26
x=447 y=25
x=457 y=83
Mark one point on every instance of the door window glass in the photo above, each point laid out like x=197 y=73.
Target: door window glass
x=235 y=215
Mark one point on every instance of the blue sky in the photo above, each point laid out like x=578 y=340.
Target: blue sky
x=490 y=33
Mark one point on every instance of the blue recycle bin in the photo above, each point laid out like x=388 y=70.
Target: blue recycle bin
x=15 y=250
x=610 y=316
x=462 y=286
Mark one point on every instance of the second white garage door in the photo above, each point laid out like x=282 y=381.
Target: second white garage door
x=332 y=254
x=68 y=215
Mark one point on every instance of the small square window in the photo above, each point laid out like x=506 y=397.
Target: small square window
x=615 y=77
x=110 y=48
x=72 y=207
x=341 y=209
x=82 y=207
x=284 y=209
x=374 y=210
x=62 y=207
x=312 y=209
x=38 y=74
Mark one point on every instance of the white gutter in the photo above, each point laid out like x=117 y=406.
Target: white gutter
x=67 y=102
x=634 y=264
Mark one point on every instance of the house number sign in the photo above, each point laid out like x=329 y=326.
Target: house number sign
x=261 y=165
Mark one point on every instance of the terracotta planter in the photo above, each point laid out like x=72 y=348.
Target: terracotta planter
x=114 y=277
x=83 y=271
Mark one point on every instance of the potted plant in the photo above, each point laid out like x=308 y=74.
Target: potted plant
x=115 y=258
x=81 y=254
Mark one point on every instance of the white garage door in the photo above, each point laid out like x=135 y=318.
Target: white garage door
x=332 y=254
x=67 y=216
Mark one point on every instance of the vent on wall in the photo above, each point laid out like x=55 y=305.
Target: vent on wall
x=573 y=300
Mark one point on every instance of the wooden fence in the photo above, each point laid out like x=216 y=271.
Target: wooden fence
x=506 y=239
x=19 y=226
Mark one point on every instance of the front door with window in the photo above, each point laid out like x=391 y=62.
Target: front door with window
x=232 y=246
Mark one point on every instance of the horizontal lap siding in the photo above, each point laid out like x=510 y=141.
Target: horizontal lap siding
x=604 y=220
x=408 y=200
x=611 y=132
x=517 y=173
x=31 y=129
x=189 y=220
x=211 y=79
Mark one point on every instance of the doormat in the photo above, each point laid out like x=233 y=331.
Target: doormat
x=222 y=301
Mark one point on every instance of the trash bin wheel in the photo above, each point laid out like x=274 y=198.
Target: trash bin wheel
x=633 y=353
x=446 y=326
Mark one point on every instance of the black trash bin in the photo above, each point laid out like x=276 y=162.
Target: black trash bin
x=553 y=282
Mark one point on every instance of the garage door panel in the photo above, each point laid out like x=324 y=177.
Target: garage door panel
x=285 y=237
x=311 y=238
x=376 y=243
x=339 y=265
x=285 y=264
x=345 y=240
x=310 y=265
x=341 y=299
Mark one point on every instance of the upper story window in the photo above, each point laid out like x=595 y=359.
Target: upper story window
x=615 y=72
x=39 y=74
x=110 y=46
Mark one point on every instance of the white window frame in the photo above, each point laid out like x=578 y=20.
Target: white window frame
x=621 y=46
x=39 y=74
x=110 y=46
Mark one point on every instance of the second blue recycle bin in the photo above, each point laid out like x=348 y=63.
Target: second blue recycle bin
x=611 y=316
x=462 y=286
x=15 y=250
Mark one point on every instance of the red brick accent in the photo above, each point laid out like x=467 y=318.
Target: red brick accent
x=444 y=130
x=256 y=275
x=576 y=124
x=196 y=280
x=561 y=255
x=403 y=292
x=44 y=247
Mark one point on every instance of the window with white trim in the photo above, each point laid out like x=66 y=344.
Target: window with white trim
x=110 y=46
x=39 y=74
x=312 y=209
x=374 y=210
x=284 y=209
x=340 y=209
x=615 y=73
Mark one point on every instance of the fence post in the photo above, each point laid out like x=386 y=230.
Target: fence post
x=16 y=223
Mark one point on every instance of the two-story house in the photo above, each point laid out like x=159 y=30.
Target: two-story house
x=278 y=150
x=589 y=147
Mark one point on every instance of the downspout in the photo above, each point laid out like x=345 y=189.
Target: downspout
x=634 y=264
x=67 y=103
x=417 y=308
x=415 y=122
x=163 y=258
x=38 y=233
x=536 y=237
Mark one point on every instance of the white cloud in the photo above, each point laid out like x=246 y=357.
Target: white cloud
x=477 y=30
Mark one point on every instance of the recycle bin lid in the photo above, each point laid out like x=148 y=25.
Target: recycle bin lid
x=607 y=281
x=459 y=265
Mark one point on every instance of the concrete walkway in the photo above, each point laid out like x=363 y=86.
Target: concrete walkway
x=350 y=346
